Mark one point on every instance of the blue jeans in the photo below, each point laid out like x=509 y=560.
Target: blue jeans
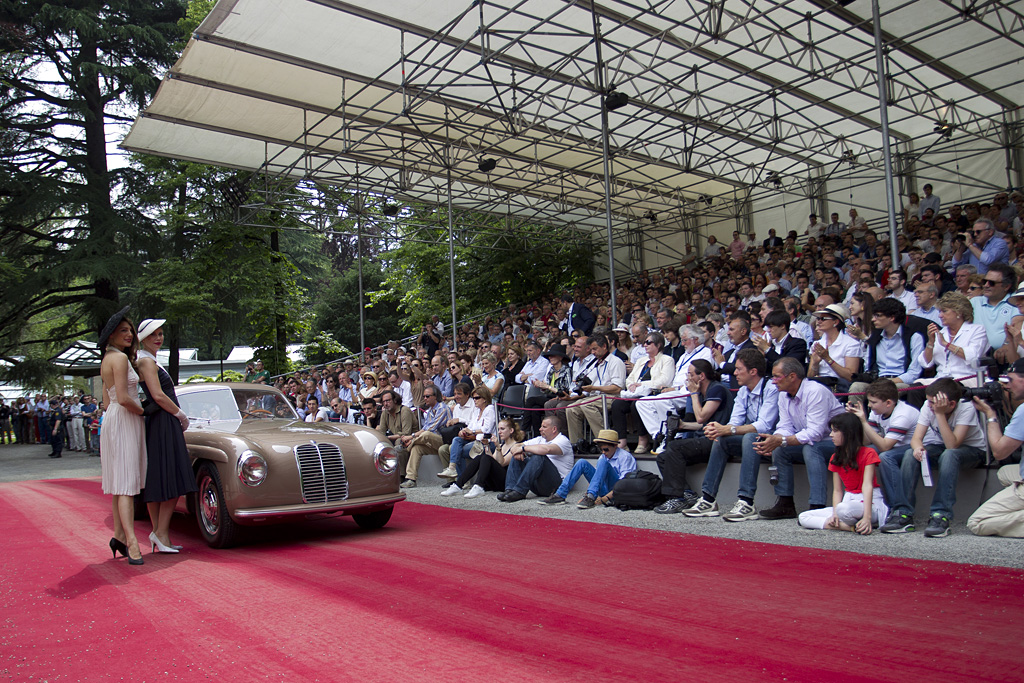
x=945 y=464
x=459 y=452
x=891 y=478
x=724 y=448
x=601 y=478
x=537 y=474
x=815 y=457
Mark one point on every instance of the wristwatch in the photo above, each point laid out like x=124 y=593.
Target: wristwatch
x=732 y=430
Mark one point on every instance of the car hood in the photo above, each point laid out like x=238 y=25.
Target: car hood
x=284 y=432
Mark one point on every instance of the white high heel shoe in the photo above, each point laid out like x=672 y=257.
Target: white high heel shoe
x=157 y=545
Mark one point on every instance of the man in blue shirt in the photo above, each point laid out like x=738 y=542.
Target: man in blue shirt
x=1003 y=513
x=428 y=439
x=984 y=249
x=993 y=309
x=755 y=411
x=614 y=464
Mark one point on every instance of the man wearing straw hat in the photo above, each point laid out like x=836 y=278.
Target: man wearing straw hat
x=614 y=464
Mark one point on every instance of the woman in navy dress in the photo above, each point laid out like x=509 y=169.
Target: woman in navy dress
x=168 y=474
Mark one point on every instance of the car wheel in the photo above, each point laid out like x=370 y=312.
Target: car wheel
x=215 y=524
x=373 y=520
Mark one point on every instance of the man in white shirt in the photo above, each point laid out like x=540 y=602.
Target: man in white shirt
x=536 y=368
x=948 y=435
x=402 y=386
x=816 y=227
x=314 y=412
x=898 y=290
x=653 y=412
x=606 y=376
x=538 y=465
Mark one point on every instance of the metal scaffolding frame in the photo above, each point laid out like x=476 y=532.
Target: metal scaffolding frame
x=736 y=101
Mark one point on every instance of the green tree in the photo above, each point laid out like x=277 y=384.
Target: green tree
x=70 y=71
x=337 y=308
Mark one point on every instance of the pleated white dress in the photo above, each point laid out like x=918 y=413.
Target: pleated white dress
x=123 y=443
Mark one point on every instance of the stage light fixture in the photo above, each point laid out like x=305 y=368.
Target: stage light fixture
x=487 y=165
x=944 y=128
x=651 y=216
x=707 y=199
x=615 y=100
x=774 y=179
x=390 y=209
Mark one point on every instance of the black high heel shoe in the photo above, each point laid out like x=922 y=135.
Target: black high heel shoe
x=132 y=560
x=117 y=546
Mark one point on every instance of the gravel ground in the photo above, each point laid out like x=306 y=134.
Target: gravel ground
x=20 y=463
x=960 y=546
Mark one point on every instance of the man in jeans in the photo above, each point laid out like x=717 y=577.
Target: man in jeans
x=614 y=464
x=538 y=464
x=948 y=434
x=755 y=411
x=805 y=408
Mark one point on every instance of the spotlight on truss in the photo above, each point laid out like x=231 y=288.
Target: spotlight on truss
x=773 y=178
x=651 y=216
x=944 y=128
x=615 y=100
x=707 y=199
x=487 y=165
x=849 y=157
x=390 y=209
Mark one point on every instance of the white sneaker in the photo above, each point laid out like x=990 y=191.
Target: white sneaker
x=448 y=472
x=742 y=511
x=475 y=492
x=451 y=489
x=702 y=508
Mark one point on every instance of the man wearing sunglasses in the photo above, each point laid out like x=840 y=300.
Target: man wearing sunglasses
x=993 y=309
x=981 y=250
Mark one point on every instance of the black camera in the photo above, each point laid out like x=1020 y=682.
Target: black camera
x=581 y=381
x=990 y=392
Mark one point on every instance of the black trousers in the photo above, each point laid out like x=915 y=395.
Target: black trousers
x=489 y=474
x=618 y=414
x=677 y=456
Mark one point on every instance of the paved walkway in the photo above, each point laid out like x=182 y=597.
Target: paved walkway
x=21 y=463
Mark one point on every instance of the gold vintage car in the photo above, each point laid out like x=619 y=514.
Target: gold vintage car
x=256 y=462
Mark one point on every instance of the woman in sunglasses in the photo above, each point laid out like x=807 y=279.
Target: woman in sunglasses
x=648 y=375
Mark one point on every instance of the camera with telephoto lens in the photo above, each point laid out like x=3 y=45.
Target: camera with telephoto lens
x=990 y=392
x=579 y=383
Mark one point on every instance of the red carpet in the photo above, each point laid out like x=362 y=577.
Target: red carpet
x=449 y=595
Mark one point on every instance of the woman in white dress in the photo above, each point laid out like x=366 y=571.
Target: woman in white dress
x=123 y=438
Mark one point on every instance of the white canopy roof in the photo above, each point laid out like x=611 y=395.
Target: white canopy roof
x=721 y=95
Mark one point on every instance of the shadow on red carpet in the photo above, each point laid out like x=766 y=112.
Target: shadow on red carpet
x=453 y=595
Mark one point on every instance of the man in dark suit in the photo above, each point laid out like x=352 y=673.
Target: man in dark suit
x=577 y=316
x=739 y=335
x=772 y=241
x=782 y=343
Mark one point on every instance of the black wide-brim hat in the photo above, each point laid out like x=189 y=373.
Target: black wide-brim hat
x=111 y=325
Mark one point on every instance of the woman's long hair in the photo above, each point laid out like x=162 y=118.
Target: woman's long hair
x=850 y=427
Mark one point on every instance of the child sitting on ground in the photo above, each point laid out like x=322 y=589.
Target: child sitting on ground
x=857 y=502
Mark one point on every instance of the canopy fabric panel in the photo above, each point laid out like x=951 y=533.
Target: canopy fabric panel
x=721 y=94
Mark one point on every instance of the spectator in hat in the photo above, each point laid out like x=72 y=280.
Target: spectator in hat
x=835 y=357
x=614 y=464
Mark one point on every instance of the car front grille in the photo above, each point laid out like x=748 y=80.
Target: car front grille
x=321 y=473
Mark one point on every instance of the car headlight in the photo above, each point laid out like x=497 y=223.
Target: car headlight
x=385 y=458
x=252 y=468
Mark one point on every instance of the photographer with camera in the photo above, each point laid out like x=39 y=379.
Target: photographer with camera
x=980 y=248
x=948 y=435
x=1003 y=513
x=606 y=375
x=674 y=397
x=805 y=408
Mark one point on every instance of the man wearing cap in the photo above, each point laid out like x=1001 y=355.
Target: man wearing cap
x=802 y=435
x=835 y=357
x=1003 y=513
x=614 y=464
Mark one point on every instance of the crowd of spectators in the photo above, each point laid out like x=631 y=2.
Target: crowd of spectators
x=738 y=354
x=63 y=422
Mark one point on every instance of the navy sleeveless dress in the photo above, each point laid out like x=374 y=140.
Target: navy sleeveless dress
x=169 y=473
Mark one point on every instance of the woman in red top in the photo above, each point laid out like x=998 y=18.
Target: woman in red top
x=857 y=503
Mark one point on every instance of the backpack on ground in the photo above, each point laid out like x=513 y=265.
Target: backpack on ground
x=639 y=490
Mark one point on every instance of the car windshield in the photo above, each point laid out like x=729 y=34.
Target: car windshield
x=222 y=403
